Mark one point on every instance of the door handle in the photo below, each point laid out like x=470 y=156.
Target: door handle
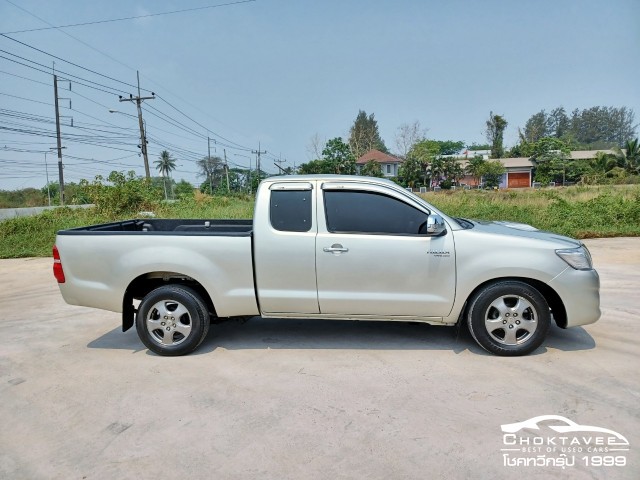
x=335 y=248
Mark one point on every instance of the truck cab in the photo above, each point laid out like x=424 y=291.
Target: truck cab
x=330 y=247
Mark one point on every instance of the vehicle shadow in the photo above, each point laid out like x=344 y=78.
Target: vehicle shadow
x=270 y=333
x=116 y=339
x=261 y=334
x=568 y=340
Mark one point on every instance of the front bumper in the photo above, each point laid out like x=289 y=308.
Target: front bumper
x=580 y=293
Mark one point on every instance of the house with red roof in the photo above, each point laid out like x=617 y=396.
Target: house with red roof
x=389 y=163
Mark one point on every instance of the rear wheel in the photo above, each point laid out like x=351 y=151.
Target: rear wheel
x=509 y=318
x=172 y=320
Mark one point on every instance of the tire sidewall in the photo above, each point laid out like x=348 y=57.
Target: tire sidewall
x=196 y=309
x=480 y=304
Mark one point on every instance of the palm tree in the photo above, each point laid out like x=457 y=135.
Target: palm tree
x=165 y=165
x=452 y=169
x=475 y=167
x=629 y=158
x=603 y=162
x=436 y=170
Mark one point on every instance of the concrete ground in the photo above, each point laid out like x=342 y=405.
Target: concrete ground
x=303 y=399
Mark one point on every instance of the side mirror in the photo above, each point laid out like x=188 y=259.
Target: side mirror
x=435 y=225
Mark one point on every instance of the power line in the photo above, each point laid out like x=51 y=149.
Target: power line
x=68 y=61
x=230 y=144
x=25 y=78
x=60 y=71
x=71 y=36
x=26 y=99
x=95 y=22
x=237 y=145
x=172 y=121
x=93 y=140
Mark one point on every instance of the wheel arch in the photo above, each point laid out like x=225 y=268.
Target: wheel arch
x=143 y=284
x=551 y=296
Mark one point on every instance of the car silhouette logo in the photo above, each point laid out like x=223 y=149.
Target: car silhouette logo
x=563 y=425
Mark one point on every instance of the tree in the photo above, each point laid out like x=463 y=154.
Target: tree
x=165 y=165
x=450 y=147
x=590 y=128
x=407 y=136
x=475 y=167
x=413 y=172
x=436 y=170
x=548 y=145
x=372 y=169
x=629 y=158
x=602 y=127
x=603 y=162
x=558 y=123
x=212 y=169
x=364 y=135
x=315 y=146
x=239 y=179
x=183 y=189
x=425 y=152
x=475 y=146
x=542 y=124
x=426 y=149
x=339 y=158
x=492 y=172
x=256 y=178
x=550 y=156
x=522 y=149
x=336 y=159
x=314 y=167
x=537 y=127
x=452 y=171
x=496 y=126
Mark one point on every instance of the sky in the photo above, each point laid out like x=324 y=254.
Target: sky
x=271 y=74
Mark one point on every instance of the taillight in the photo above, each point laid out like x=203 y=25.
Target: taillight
x=57 y=266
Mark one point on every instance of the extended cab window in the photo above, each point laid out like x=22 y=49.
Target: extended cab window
x=369 y=212
x=290 y=210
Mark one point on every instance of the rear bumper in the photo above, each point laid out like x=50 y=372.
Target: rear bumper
x=580 y=293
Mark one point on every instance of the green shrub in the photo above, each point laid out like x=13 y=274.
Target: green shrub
x=123 y=194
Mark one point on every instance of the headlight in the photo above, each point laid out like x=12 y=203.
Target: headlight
x=577 y=258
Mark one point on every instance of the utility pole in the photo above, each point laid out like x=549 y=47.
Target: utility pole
x=209 y=164
x=59 y=148
x=46 y=169
x=277 y=164
x=143 y=137
x=226 y=169
x=258 y=153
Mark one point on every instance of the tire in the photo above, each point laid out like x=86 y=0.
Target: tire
x=509 y=318
x=172 y=320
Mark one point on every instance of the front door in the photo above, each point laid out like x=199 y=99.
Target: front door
x=371 y=258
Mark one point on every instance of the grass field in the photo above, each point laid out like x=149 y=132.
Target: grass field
x=580 y=212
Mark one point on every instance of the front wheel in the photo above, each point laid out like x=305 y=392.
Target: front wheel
x=172 y=320
x=509 y=318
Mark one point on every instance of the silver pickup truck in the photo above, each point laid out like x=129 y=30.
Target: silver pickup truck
x=331 y=247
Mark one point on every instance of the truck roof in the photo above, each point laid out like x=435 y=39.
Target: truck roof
x=341 y=178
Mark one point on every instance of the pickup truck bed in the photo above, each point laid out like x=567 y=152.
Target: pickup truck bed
x=233 y=228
